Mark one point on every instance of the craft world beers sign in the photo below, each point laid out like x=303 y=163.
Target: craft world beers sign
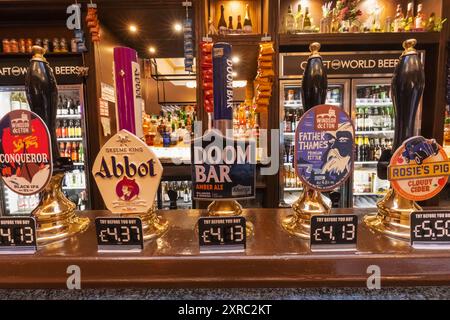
x=350 y=64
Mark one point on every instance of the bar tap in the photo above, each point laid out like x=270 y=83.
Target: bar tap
x=311 y=202
x=55 y=215
x=408 y=82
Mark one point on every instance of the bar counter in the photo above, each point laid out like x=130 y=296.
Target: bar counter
x=273 y=259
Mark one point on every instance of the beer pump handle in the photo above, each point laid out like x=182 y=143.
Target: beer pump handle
x=42 y=95
x=222 y=87
x=315 y=81
x=408 y=83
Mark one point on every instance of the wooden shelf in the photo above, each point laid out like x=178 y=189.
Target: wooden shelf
x=239 y=39
x=273 y=259
x=358 y=38
x=48 y=54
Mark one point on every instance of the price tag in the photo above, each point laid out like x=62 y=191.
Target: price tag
x=18 y=235
x=119 y=234
x=430 y=229
x=334 y=232
x=222 y=234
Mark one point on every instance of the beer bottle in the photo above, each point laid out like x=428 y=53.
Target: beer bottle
x=80 y=152
x=74 y=155
x=358 y=119
x=371 y=149
x=366 y=149
x=361 y=149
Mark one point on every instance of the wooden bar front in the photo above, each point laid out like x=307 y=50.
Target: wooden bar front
x=273 y=259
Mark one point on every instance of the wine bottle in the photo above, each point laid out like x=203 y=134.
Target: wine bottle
x=230 y=24
x=239 y=25
x=248 y=28
x=222 y=23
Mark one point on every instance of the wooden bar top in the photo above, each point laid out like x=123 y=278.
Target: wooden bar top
x=273 y=259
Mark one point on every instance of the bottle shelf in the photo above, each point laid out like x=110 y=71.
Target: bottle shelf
x=47 y=54
x=239 y=39
x=360 y=103
x=293 y=189
x=289 y=134
x=69 y=139
x=298 y=104
x=362 y=38
x=381 y=132
x=74 y=188
x=368 y=194
x=78 y=164
x=69 y=116
x=366 y=162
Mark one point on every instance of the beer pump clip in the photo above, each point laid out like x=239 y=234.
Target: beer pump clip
x=316 y=148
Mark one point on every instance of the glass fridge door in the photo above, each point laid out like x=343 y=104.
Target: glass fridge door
x=291 y=110
x=71 y=137
x=373 y=116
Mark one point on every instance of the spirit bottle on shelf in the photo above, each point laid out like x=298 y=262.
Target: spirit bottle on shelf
x=410 y=17
x=420 y=19
x=299 y=19
x=248 y=27
x=289 y=21
x=222 y=23
x=307 y=20
x=398 y=20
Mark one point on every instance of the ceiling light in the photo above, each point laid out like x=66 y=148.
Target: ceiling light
x=178 y=27
x=235 y=59
x=152 y=50
x=133 y=28
x=239 y=83
x=191 y=84
x=236 y=84
x=234 y=74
